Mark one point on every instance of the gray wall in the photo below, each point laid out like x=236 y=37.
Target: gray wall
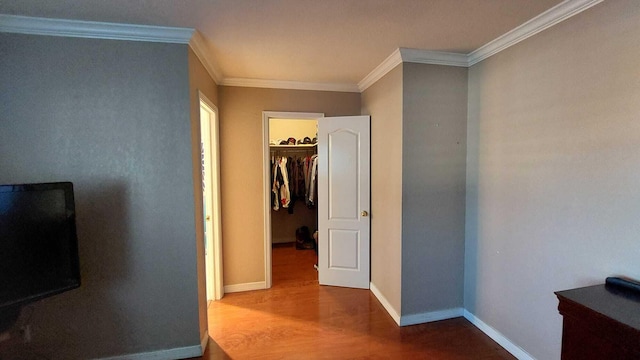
x=433 y=187
x=553 y=197
x=113 y=118
x=383 y=101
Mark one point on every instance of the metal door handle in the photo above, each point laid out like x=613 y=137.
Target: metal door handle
x=208 y=217
x=364 y=213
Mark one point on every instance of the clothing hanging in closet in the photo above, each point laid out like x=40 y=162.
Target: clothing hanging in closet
x=294 y=179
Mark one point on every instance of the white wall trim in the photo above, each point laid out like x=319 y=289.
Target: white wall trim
x=401 y=55
x=198 y=45
x=114 y=31
x=385 y=303
x=169 y=354
x=291 y=85
x=93 y=29
x=204 y=342
x=259 y=285
x=381 y=70
x=502 y=340
x=547 y=19
x=431 y=316
x=267 y=181
x=433 y=57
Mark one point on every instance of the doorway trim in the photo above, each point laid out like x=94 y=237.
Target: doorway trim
x=266 y=166
x=214 y=166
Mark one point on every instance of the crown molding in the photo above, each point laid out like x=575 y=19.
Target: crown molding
x=93 y=29
x=291 y=85
x=547 y=19
x=434 y=57
x=401 y=55
x=197 y=44
x=381 y=70
x=114 y=31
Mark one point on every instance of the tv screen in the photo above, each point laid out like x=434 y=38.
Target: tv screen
x=38 y=244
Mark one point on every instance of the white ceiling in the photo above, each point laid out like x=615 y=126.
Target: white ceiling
x=316 y=41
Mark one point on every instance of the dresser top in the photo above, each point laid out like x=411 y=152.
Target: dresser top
x=619 y=304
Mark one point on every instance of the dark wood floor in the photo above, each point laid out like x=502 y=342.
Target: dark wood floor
x=298 y=319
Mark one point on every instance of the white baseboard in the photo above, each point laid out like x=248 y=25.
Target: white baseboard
x=260 y=285
x=414 y=319
x=503 y=341
x=204 y=341
x=169 y=354
x=431 y=316
x=385 y=303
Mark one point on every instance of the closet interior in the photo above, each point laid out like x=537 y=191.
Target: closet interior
x=293 y=155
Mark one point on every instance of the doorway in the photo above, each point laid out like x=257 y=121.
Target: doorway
x=210 y=165
x=286 y=228
x=342 y=197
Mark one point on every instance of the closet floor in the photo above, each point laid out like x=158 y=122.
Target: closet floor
x=291 y=267
x=298 y=319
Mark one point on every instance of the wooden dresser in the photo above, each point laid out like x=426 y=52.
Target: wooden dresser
x=600 y=322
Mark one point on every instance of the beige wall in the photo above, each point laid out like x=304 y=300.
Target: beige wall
x=283 y=129
x=199 y=80
x=242 y=180
x=434 y=126
x=383 y=101
x=553 y=167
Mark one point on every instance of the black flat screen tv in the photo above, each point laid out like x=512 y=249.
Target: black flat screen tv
x=38 y=243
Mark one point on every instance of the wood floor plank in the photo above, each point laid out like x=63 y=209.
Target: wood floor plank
x=299 y=319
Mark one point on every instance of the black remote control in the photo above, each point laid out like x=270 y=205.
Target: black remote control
x=624 y=283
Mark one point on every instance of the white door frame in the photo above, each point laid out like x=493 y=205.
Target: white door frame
x=266 y=165
x=214 y=166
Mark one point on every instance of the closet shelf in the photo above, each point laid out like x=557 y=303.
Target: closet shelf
x=293 y=150
x=301 y=146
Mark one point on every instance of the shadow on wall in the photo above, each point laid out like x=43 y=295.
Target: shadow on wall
x=66 y=325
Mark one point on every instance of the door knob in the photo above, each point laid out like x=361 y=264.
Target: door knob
x=364 y=213
x=208 y=218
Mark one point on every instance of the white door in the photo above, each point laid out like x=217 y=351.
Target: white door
x=207 y=198
x=210 y=160
x=343 y=201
